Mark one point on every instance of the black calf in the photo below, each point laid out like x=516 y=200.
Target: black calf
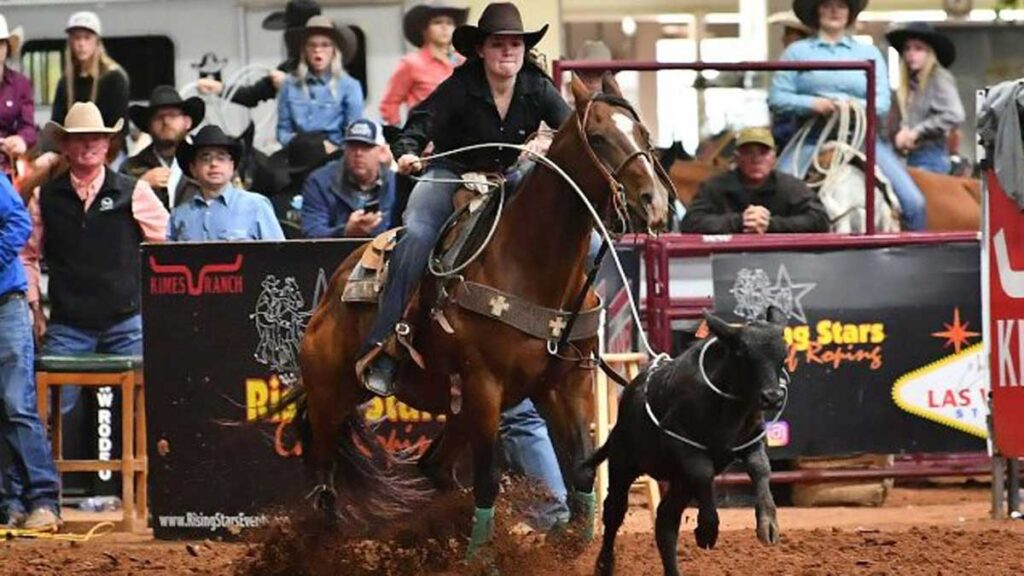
x=681 y=421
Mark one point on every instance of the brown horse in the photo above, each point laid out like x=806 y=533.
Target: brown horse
x=952 y=203
x=538 y=254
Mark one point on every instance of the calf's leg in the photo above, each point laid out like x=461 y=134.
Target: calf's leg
x=621 y=476
x=706 y=532
x=666 y=527
x=759 y=469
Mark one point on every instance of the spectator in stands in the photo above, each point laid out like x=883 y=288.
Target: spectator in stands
x=928 y=105
x=294 y=15
x=429 y=27
x=319 y=96
x=755 y=198
x=220 y=211
x=17 y=113
x=352 y=196
x=91 y=76
x=92 y=220
x=31 y=486
x=305 y=154
x=167 y=119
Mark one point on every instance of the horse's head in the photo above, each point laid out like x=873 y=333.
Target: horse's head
x=759 y=350
x=622 y=147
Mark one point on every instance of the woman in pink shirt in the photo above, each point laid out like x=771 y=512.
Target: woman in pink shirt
x=428 y=27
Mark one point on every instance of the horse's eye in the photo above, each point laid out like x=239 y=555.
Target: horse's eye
x=596 y=137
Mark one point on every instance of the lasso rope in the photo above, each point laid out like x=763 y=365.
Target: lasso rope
x=240 y=78
x=599 y=224
x=99 y=529
x=850 y=122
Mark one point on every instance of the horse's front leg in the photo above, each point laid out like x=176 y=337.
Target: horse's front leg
x=760 y=471
x=567 y=411
x=484 y=408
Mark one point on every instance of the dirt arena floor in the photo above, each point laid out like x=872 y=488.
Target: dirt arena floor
x=919 y=531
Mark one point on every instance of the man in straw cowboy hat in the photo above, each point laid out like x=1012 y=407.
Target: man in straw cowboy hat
x=167 y=119
x=220 y=211
x=92 y=222
x=17 y=104
x=429 y=27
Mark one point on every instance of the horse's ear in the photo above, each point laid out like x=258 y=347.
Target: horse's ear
x=725 y=332
x=609 y=85
x=775 y=315
x=580 y=93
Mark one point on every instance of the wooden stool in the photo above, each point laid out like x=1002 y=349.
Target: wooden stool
x=606 y=410
x=95 y=371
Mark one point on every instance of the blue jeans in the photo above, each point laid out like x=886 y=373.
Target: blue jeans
x=910 y=196
x=524 y=436
x=29 y=476
x=932 y=156
x=123 y=339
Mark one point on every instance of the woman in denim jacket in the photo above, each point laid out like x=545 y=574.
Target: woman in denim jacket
x=320 y=96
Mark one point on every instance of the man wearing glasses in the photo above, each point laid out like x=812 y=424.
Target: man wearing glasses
x=219 y=211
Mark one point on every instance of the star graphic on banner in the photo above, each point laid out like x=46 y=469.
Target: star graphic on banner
x=788 y=295
x=956 y=334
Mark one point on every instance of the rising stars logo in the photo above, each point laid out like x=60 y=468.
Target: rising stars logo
x=754 y=292
x=956 y=334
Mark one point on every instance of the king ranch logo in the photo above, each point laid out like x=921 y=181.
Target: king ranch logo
x=835 y=344
x=176 y=279
x=406 y=428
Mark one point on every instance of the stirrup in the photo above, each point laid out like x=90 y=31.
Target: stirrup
x=377 y=371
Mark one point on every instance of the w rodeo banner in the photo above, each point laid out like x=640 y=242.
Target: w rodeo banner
x=222 y=326
x=884 y=345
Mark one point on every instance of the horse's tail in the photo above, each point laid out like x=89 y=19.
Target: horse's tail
x=376 y=484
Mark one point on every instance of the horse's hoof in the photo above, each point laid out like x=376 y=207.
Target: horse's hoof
x=605 y=566
x=768 y=531
x=706 y=536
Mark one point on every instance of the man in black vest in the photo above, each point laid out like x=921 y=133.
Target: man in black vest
x=93 y=220
x=167 y=119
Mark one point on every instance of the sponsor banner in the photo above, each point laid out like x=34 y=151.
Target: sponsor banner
x=222 y=326
x=884 y=345
x=1005 y=289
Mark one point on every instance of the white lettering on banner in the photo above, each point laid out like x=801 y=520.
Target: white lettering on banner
x=105 y=399
x=1011 y=280
x=1008 y=365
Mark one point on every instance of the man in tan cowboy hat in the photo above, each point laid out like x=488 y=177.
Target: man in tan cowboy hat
x=754 y=198
x=429 y=27
x=92 y=222
x=17 y=123
x=167 y=119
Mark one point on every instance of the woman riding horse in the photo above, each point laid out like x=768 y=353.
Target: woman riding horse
x=811 y=92
x=498 y=95
x=928 y=105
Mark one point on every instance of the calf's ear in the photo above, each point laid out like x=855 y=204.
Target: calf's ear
x=727 y=333
x=775 y=315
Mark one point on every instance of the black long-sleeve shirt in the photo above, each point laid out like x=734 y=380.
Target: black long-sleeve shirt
x=112 y=96
x=719 y=204
x=461 y=112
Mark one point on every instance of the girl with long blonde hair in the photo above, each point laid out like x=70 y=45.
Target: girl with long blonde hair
x=928 y=106
x=90 y=75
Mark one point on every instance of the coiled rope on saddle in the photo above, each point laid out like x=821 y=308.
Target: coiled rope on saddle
x=850 y=123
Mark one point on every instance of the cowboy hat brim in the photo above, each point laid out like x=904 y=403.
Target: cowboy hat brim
x=187 y=152
x=807 y=11
x=468 y=37
x=945 y=50
x=14 y=39
x=57 y=132
x=416 y=19
x=343 y=36
x=193 y=107
x=275 y=21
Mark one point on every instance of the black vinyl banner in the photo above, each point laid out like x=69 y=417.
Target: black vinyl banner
x=222 y=325
x=885 y=345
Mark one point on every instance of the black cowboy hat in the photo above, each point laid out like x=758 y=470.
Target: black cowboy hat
x=343 y=36
x=498 y=18
x=166 y=97
x=294 y=15
x=416 y=19
x=807 y=10
x=306 y=153
x=944 y=49
x=210 y=135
